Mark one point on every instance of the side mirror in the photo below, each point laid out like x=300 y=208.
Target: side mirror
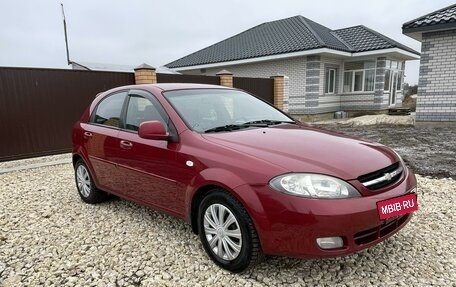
x=153 y=130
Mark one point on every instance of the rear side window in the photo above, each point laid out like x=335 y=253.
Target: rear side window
x=109 y=109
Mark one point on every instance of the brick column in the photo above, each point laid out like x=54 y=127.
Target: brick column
x=286 y=94
x=279 y=84
x=226 y=78
x=145 y=74
x=380 y=83
x=313 y=77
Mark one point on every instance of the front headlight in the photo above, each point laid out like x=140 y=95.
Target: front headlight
x=313 y=186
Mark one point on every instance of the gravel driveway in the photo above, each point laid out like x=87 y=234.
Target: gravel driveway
x=49 y=237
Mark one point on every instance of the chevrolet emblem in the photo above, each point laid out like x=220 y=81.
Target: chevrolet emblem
x=388 y=176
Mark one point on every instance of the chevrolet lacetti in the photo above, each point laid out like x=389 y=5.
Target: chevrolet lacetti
x=248 y=178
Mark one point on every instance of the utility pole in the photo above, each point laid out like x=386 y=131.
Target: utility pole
x=66 y=43
x=66 y=37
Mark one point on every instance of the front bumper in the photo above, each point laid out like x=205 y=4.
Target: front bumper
x=289 y=225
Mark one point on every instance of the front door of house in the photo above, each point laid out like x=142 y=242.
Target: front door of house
x=392 y=99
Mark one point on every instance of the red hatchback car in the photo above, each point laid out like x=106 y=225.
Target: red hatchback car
x=248 y=178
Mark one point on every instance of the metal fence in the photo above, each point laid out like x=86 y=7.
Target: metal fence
x=176 y=78
x=262 y=88
x=38 y=107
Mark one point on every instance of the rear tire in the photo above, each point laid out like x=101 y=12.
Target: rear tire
x=87 y=190
x=227 y=232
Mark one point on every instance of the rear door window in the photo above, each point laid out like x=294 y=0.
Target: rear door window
x=109 y=109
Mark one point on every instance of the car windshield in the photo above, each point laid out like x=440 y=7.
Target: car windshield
x=214 y=110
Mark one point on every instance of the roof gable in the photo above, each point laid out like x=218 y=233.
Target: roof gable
x=288 y=35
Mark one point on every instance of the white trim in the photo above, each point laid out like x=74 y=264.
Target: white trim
x=386 y=51
x=298 y=54
x=266 y=58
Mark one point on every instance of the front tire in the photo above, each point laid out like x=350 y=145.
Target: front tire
x=227 y=232
x=87 y=190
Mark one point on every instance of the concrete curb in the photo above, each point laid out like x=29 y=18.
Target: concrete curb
x=34 y=165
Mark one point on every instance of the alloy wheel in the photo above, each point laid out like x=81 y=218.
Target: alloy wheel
x=222 y=232
x=83 y=180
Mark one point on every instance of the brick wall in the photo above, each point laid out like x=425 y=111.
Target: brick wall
x=437 y=84
x=306 y=83
x=293 y=68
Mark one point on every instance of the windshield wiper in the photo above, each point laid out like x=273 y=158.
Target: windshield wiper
x=232 y=127
x=258 y=123
x=268 y=122
x=224 y=128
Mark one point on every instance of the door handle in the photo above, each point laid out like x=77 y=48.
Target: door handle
x=87 y=134
x=125 y=144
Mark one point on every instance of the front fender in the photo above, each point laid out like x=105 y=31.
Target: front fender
x=233 y=184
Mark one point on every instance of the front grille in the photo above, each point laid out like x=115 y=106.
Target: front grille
x=382 y=177
x=388 y=226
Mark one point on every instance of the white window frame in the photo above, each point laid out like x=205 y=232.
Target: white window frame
x=328 y=82
x=352 y=87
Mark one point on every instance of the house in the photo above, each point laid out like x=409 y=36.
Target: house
x=437 y=83
x=352 y=69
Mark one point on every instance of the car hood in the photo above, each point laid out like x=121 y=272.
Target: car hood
x=299 y=148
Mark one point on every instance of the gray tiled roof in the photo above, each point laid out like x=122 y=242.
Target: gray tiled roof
x=440 y=18
x=285 y=36
x=362 y=39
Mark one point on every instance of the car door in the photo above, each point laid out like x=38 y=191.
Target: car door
x=148 y=166
x=101 y=140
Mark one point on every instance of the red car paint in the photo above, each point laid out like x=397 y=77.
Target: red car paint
x=154 y=173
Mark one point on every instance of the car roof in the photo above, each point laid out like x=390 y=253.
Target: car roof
x=180 y=86
x=163 y=87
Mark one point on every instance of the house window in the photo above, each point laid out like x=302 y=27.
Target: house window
x=358 y=81
x=369 y=80
x=330 y=84
x=387 y=80
x=399 y=81
x=391 y=67
x=348 y=79
x=359 y=76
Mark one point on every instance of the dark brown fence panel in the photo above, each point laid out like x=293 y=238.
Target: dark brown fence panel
x=38 y=107
x=176 y=78
x=262 y=88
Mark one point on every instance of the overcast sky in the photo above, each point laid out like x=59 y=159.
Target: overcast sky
x=158 y=32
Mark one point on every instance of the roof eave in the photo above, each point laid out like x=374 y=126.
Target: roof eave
x=264 y=58
x=396 y=52
x=406 y=55
x=417 y=32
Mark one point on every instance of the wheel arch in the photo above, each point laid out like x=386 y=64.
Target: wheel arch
x=76 y=157
x=246 y=197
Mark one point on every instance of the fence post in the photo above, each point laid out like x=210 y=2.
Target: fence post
x=145 y=74
x=280 y=91
x=226 y=78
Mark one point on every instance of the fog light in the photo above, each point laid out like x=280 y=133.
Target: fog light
x=330 y=242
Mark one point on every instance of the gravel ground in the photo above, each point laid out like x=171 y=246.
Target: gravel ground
x=49 y=237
